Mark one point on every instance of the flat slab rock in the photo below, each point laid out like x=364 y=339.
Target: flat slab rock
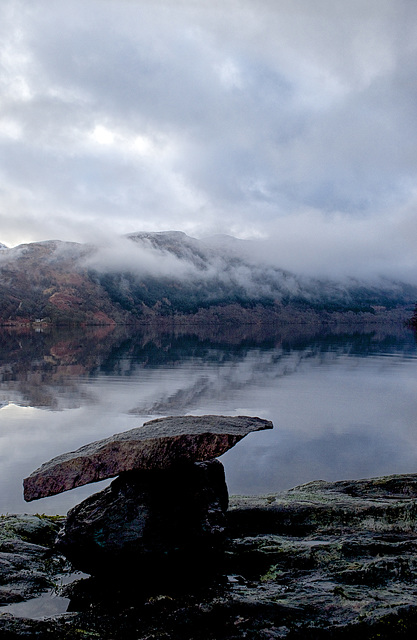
x=157 y=444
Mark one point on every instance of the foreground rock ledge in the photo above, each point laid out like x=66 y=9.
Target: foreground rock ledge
x=323 y=561
x=158 y=444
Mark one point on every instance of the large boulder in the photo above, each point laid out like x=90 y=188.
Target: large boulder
x=150 y=523
x=158 y=444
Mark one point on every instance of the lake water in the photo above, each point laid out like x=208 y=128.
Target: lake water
x=343 y=401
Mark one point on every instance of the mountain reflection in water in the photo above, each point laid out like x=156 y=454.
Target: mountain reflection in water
x=343 y=401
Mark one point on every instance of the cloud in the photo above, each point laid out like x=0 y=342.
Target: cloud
x=241 y=117
x=119 y=254
x=341 y=245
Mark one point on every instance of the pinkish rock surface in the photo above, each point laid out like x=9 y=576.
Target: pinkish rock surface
x=157 y=444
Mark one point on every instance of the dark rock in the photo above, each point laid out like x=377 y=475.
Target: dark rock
x=31 y=528
x=27 y=564
x=378 y=504
x=158 y=444
x=155 y=523
x=338 y=557
x=323 y=561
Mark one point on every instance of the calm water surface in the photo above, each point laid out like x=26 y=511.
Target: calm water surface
x=343 y=404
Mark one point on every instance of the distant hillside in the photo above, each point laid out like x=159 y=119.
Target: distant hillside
x=170 y=277
x=46 y=281
x=413 y=320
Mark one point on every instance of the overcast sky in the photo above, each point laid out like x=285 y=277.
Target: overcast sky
x=289 y=120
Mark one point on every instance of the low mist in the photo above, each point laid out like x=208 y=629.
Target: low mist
x=337 y=247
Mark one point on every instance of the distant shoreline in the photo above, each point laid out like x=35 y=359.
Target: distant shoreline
x=233 y=315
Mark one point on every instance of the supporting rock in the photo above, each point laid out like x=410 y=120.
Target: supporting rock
x=153 y=524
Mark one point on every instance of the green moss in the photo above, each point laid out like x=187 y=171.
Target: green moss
x=273 y=573
x=54 y=519
x=30 y=528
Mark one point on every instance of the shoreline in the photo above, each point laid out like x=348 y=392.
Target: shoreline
x=230 y=315
x=323 y=560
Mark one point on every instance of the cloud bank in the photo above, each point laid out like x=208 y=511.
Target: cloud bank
x=290 y=121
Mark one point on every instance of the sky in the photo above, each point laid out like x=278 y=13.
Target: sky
x=291 y=122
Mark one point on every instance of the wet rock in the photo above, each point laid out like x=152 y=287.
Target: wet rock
x=378 y=504
x=322 y=561
x=156 y=524
x=158 y=444
x=27 y=564
x=30 y=528
x=336 y=558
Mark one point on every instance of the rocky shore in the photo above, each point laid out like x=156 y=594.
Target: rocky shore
x=323 y=560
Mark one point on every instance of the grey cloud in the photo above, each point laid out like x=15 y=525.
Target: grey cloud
x=252 y=117
x=342 y=245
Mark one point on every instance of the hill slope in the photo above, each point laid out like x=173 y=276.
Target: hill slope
x=169 y=275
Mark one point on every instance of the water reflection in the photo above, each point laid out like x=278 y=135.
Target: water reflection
x=343 y=403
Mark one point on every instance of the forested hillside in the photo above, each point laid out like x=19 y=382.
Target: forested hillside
x=146 y=276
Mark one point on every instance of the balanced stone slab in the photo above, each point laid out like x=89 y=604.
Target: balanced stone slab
x=157 y=444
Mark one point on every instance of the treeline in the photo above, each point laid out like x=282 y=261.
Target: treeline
x=413 y=320
x=168 y=296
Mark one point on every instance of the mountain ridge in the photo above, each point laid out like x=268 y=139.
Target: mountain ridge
x=152 y=276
